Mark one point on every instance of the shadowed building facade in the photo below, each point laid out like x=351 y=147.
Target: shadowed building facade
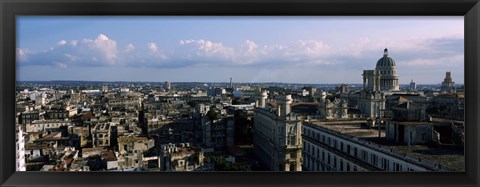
x=277 y=135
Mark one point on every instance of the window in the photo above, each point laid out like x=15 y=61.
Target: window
x=385 y=164
x=364 y=155
x=334 y=161
x=341 y=146
x=348 y=149
x=373 y=159
x=398 y=167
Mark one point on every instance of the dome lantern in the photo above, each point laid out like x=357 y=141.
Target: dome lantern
x=386 y=61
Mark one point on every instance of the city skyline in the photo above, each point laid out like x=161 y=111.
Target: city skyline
x=307 y=50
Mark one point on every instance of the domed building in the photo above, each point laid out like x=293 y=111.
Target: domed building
x=384 y=77
x=387 y=70
x=376 y=85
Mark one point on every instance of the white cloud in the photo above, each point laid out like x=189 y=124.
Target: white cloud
x=21 y=54
x=155 y=51
x=130 y=47
x=153 y=47
x=359 y=54
x=61 y=65
x=250 y=46
x=312 y=48
x=75 y=53
x=61 y=42
x=74 y=42
x=107 y=46
x=208 y=49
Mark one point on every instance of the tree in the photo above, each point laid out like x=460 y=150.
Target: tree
x=212 y=114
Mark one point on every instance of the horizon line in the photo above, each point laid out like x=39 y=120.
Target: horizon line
x=213 y=82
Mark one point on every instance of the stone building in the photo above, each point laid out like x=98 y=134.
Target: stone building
x=277 y=135
x=104 y=135
x=384 y=78
x=344 y=146
x=131 y=154
x=448 y=86
x=183 y=157
x=336 y=109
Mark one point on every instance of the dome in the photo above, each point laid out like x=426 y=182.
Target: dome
x=385 y=61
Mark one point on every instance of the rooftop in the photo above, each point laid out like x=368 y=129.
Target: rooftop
x=449 y=157
x=352 y=128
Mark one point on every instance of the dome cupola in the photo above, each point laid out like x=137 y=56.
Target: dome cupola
x=385 y=61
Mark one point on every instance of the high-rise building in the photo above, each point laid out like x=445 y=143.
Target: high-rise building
x=413 y=86
x=448 y=86
x=167 y=85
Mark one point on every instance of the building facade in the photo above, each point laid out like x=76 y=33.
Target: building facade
x=277 y=135
x=329 y=149
x=448 y=86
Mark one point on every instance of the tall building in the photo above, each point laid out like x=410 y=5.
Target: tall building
x=448 y=86
x=167 y=85
x=20 y=149
x=371 y=100
x=413 y=86
x=277 y=135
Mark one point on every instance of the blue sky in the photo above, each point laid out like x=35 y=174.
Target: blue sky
x=301 y=49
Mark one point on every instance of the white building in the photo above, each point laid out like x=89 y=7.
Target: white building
x=338 y=146
x=20 y=149
x=376 y=83
x=46 y=125
x=384 y=77
x=277 y=135
x=336 y=109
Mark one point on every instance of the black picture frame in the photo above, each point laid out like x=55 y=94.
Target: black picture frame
x=9 y=9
